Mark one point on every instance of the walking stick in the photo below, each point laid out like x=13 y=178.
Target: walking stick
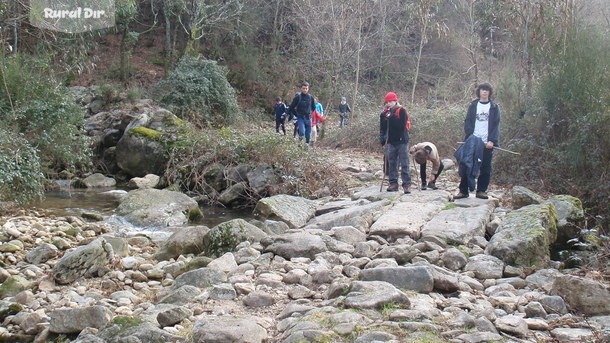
x=498 y=148
x=385 y=170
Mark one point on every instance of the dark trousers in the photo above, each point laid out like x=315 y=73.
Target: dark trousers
x=484 y=174
x=422 y=172
x=279 y=122
x=398 y=155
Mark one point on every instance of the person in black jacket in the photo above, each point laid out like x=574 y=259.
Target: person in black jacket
x=344 y=111
x=280 y=115
x=393 y=134
x=483 y=121
x=301 y=107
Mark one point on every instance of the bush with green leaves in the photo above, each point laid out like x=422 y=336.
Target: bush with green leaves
x=21 y=177
x=39 y=112
x=198 y=90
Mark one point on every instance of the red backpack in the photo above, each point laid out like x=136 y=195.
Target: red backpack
x=397 y=114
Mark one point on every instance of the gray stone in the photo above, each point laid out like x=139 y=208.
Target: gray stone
x=98 y=180
x=524 y=236
x=513 y=325
x=120 y=247
x=157 y=208
x=572 y=334
x=145 y=332
x=414 y=278
x=405 y=219
x=188 y=240
x=292 y=210
x=544 y=279
x=148 y=181
x=223 y=291
x=553 y=304
x=291 y=245
x=41 y=253
x=226 y=236
x=523 y=196
x=485 y=267
x=85 y=261
x=201 y=278
x=361 y=217
x=570 y=216
x=75 y=320
x=401 y=253
x=454 y=259
x=173 y=316
x=225 y=263
x=480 y=337
x=182 y=295
x=234 y=194
x=261 y=177
x=258 y=299
x=293 y=308
x=348 y=234
x=459 y=225
x=273 y=227
x=374 y=294
x=229 y=329
x=583 y=295
x=535 y=309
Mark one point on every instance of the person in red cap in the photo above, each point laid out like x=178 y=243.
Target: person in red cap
x=394 y=135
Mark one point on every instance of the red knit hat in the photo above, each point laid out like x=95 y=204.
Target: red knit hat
x=391 y=97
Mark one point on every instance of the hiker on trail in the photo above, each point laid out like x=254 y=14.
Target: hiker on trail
x=316 y=118
x=424 y=152
x=394 y=135
x=482 y=121
x=344 y=111
x=280 y=115
x=302 y=106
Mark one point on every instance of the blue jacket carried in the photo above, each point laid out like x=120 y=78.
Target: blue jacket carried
x=469 y=157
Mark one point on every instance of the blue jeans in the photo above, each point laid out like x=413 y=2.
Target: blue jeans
x=398 y=153
x=304 y=125
x=484 y=174
x=343 y=121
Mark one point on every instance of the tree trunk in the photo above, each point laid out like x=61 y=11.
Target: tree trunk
x=422 y=41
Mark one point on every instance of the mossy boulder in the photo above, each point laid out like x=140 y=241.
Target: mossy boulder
x=524 y=236
x=9 y=309
x=13 y=285
x=226 y=236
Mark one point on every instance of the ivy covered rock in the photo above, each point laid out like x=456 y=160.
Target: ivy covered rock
x=226 y=236
x=524 y=236
x=570 y=216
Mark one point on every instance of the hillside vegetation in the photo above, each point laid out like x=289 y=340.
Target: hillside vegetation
x=548 y=60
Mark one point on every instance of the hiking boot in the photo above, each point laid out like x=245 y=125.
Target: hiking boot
x=406 y=189
x=393 y=188
x=482 y=195
x=460 y=196
x=423 y=186
x=432 y=185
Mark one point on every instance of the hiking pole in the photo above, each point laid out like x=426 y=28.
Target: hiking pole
x=414 y=166
x=498 y=148
x=385 y=169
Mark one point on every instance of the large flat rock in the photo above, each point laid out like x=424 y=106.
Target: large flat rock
x=360 y=217
x=404 y=219
x=459 y=224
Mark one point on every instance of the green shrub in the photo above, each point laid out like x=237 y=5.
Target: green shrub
x=20 y=171
x=198 y=90
x=42 y=111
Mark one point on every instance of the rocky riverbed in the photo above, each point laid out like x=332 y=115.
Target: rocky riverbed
x=371 y=267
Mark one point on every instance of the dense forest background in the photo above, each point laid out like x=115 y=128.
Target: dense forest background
x=548 y=60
